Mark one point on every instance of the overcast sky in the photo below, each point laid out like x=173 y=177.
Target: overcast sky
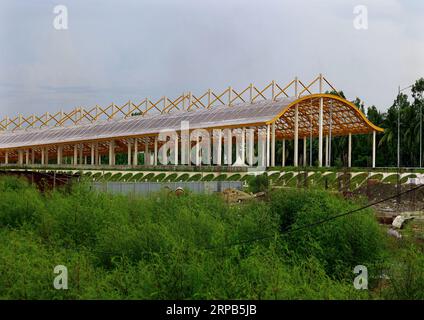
x=121 y=50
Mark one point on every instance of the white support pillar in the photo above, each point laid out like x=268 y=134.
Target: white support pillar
x=98 y=159
x=305 y=161
x=85 y=160
x=146 y=153
x=296 y=136
x=59 y=155
x=164 y=153
x=262 y=147
x=326 y=151
x=20 y=157
x=243 y=146
x=229 y=143
x=92 y=154
x=135 y=156
x=32 y=156
x=283 y=160
x=198 y=158
x=112 y=153
x=349 y=151
x=27 y=156
x=185 y=142
x=81 y=149
x=184 y=136
x=239 y=148
x=75 y=155
x=273 y=145
x=268 y=144
x=6 y=157
x=251 y=146
x=176 y=141
x=183 y=148
x=155 y=156
x=208 y=141
x=217 y=152
x=320 y=130
x=188 y=150
x=374 y=135
x=129 y=151
x=43 y=156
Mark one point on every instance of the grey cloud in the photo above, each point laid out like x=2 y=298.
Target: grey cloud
x=115 y=51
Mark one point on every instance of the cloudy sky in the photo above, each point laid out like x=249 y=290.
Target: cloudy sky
x=114 y=51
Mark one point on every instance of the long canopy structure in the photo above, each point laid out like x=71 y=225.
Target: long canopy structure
x=289 y=118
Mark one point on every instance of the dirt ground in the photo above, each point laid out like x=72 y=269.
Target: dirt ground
x=389 y=205
x=411 y=197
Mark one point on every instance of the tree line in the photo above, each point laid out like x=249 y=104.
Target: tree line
x=408 y=109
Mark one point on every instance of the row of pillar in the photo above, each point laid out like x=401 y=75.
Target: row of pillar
x=244 y=148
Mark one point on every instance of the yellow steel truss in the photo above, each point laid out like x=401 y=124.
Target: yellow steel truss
x=186 y=101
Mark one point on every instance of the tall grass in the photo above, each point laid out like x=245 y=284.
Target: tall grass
x=179 y=247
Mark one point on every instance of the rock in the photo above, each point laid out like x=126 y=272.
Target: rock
x=398 y=222
x=179 y=191
x=394 y=233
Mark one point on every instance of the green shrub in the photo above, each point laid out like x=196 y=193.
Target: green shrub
x=208 y=177
x=195 y=177
x=183 y=177
x=258 y=183
x=97 y=175
x=115 y=177
x=406 y=274
x=126 y=177
x=148 y=177
x=158 y=177
x=274 y=177
x=171 y=177
x=234 y=177
x=220 y=177
x=20 y=202
x=340 y=244
x=106 y=176
x=191 y=246
x=136 y=177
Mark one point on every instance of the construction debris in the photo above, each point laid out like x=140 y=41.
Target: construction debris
x=398 y=222
x=237 y=196
x=394 y=233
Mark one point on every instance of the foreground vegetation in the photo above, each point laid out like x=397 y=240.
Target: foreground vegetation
x=195 y=247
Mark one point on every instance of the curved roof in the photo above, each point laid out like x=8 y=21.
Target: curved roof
x=340 y=114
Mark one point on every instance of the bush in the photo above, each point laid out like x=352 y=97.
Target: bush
x=208 y=177
x=158 y=177
x=258 y=183
x=195 y=177
x=20 y=203
x=406 y=274
x=183 y=177
x=171 y=177
x=340 y=244
x=190 y=246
